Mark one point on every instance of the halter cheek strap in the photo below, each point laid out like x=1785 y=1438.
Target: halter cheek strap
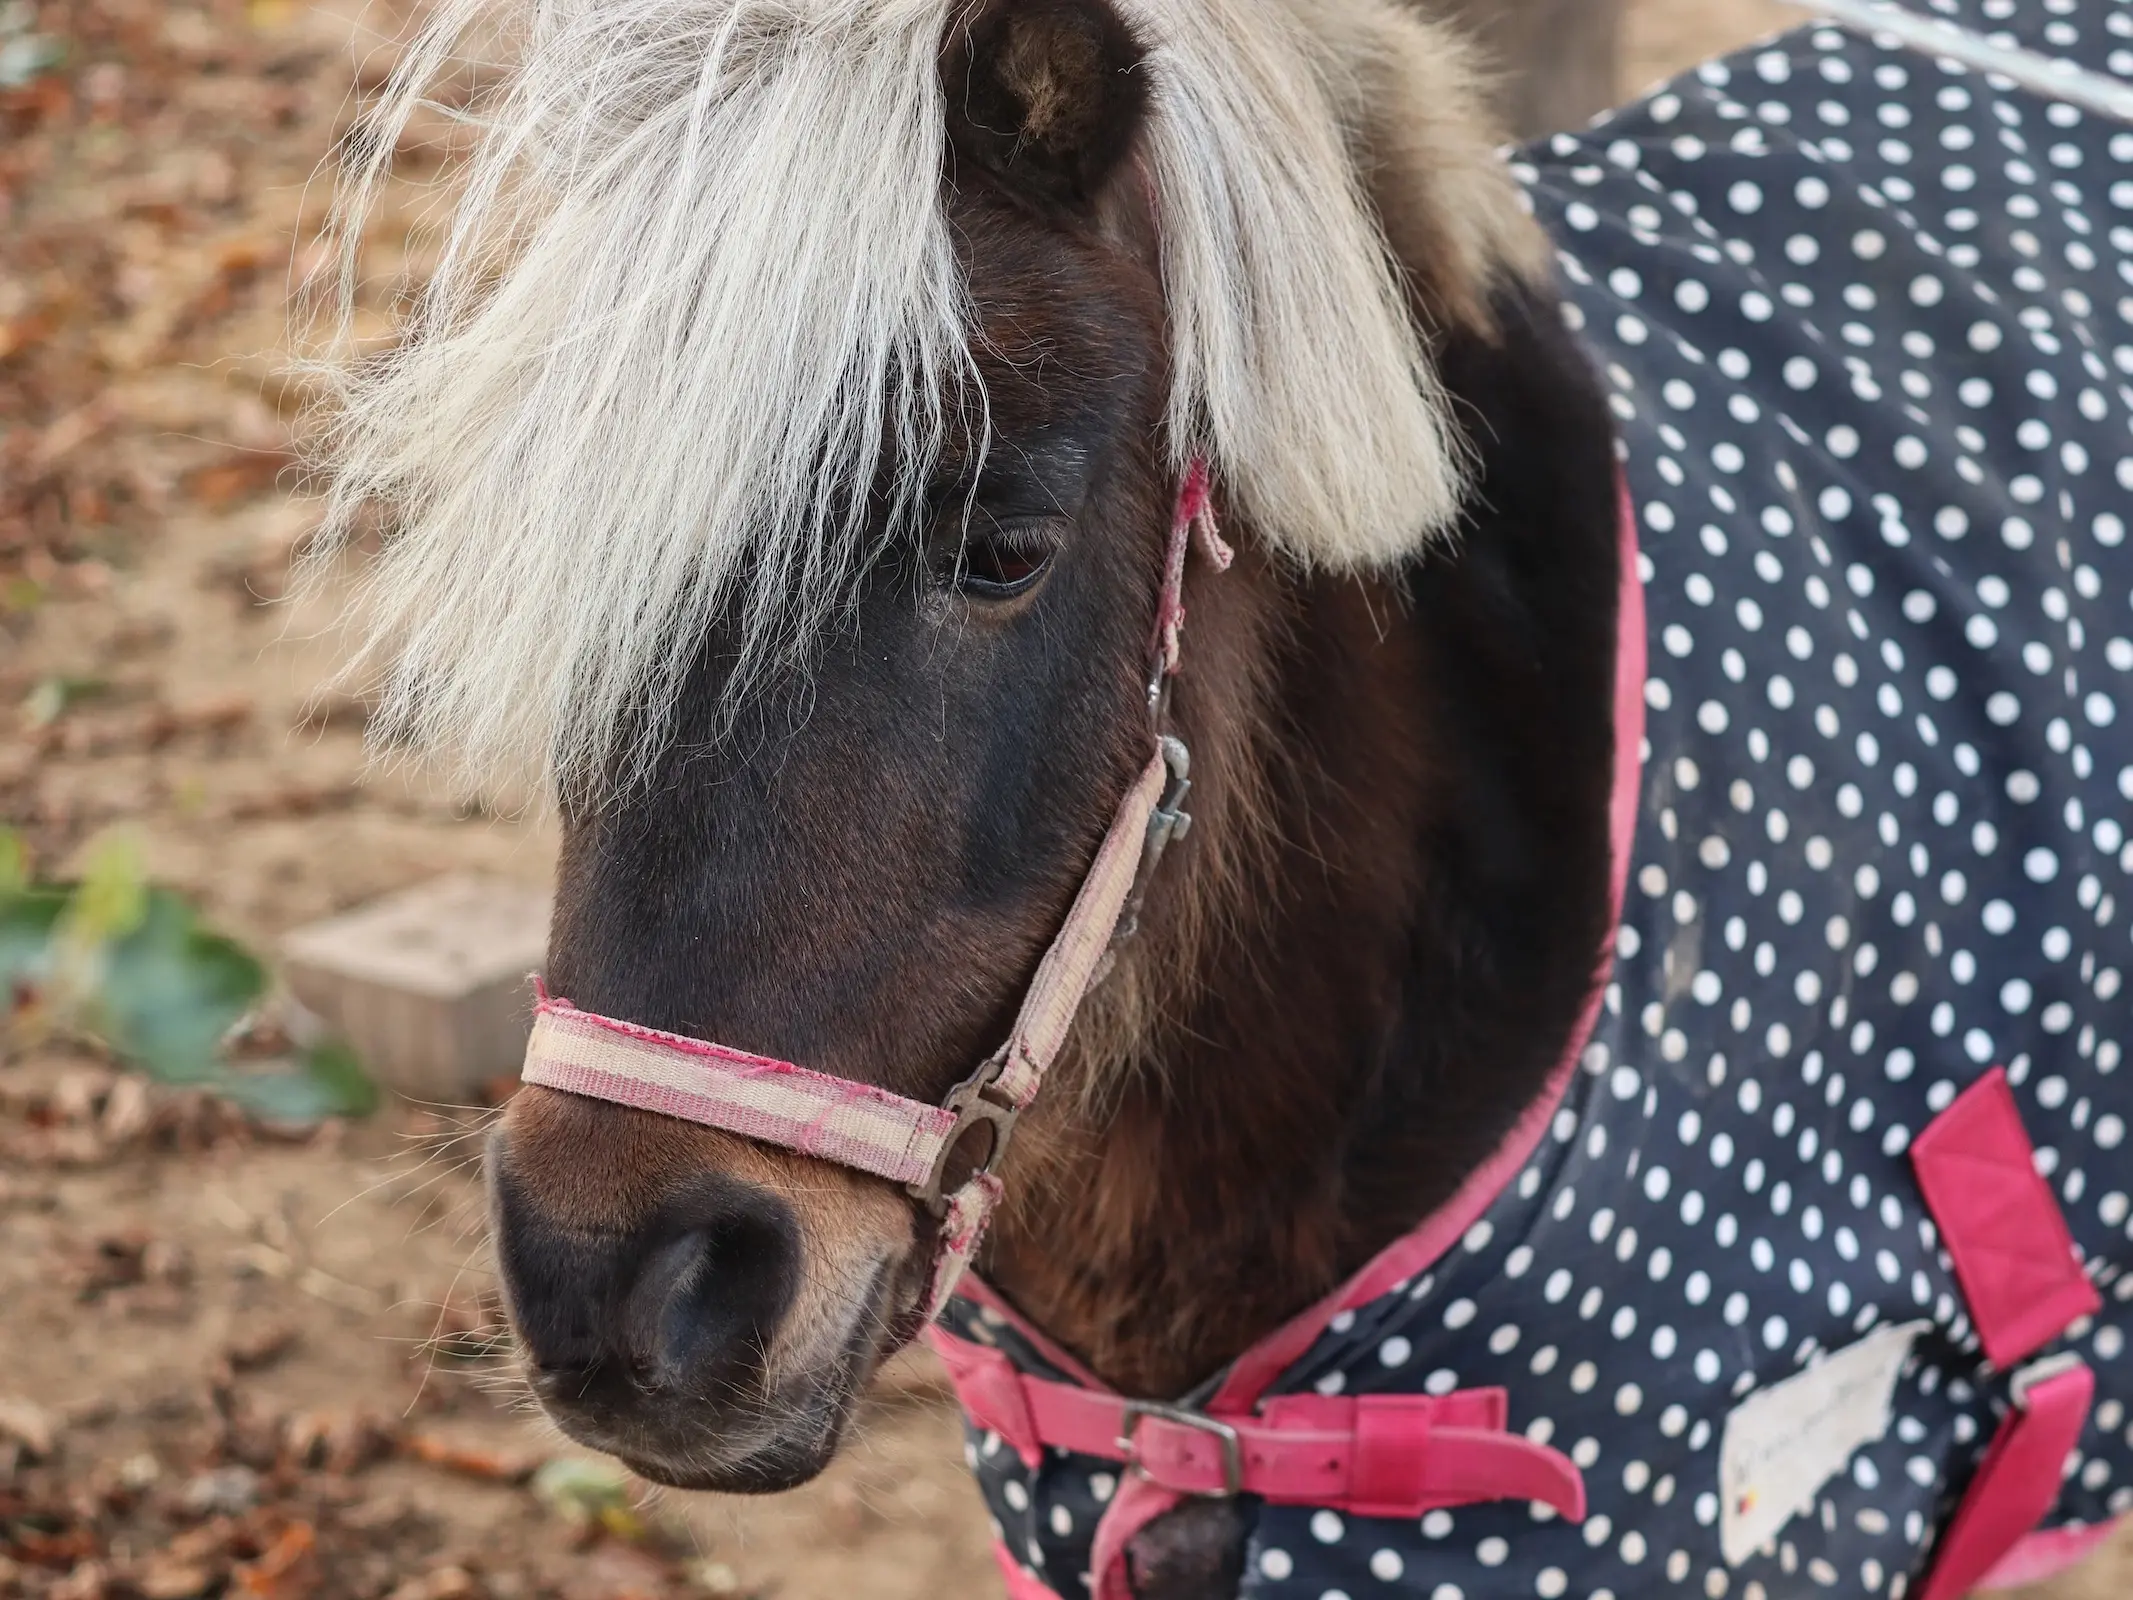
x=925 y=1147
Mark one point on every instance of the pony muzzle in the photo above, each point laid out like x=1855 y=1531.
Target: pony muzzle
x=708 y=1316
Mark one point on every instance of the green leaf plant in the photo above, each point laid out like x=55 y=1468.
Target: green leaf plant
x=116 y=959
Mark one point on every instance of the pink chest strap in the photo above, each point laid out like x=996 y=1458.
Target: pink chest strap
x=1380 y=1455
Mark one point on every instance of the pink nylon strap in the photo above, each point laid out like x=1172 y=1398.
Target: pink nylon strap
x=2013 y=1255
x=1371 y=1455
x=774 y=1101
x=1069 y=964
x=2024 y=1284
x=2015 y=1484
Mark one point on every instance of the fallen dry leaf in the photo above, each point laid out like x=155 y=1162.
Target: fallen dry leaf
x=341 y=1441
x=283 y=1570
x=473 y=1461
x=164 y=1579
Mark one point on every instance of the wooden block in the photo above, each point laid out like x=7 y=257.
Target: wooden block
x=429 y=985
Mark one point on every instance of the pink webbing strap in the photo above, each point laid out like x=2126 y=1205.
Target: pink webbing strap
x=2015 y=1484
x=1069 y=965
x=2024 y=1284
x=2013 y=1255
x=1390 y=1455
x=774 y=1101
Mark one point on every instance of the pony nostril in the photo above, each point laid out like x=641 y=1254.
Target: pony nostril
x=688 y=1298
x=707 y=1302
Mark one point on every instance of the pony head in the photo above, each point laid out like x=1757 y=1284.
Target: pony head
x=779 y=466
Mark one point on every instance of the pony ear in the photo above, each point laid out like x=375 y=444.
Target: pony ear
x=1044 y=96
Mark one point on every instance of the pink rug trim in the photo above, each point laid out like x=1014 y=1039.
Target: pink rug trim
x=1020 y=1584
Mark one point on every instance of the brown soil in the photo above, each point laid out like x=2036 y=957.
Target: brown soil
x=236 y=1366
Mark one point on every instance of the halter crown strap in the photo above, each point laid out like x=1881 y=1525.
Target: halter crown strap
x=925 y=1147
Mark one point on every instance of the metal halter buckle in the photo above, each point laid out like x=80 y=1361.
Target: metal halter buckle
x=969 y=1103
x=1167 y=823
x=1136 y=1411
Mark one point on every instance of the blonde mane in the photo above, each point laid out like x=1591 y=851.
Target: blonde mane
x=699 y=300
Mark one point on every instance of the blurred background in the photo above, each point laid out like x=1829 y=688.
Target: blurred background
x=247 y=1342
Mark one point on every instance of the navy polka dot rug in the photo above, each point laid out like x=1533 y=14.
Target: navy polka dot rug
x=1863 y=317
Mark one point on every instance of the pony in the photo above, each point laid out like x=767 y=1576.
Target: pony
x=780 y=464
x=882 y=333
x=820 y=418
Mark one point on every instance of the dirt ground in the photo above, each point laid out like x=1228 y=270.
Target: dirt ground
x=234 y=1364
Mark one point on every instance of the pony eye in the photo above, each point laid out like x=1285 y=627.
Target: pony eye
x=999 y=565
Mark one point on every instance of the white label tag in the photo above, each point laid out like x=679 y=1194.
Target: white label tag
x=1783 y=1443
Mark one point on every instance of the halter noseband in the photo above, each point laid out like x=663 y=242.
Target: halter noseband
x=924 y=1147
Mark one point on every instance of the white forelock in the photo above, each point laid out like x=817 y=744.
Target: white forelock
x=699 y=298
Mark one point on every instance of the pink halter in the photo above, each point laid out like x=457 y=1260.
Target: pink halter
x=862 y=1126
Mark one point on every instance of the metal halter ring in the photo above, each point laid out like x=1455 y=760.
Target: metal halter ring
x=971 y=1107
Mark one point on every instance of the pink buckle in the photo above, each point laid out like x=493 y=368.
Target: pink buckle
x=2013 y=1255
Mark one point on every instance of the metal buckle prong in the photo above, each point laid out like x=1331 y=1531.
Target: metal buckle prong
x=1167 y=823
x=1137 y=1411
